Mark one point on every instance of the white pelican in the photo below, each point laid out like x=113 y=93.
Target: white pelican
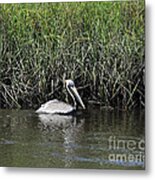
x=58 y=107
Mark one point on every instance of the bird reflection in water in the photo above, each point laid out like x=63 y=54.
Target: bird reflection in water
x=66 y=128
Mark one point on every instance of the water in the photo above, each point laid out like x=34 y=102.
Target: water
x=98 y=139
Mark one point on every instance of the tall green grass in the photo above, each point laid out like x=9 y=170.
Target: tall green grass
x=100 y=45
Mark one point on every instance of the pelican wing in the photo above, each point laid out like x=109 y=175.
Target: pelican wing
x=55 y=107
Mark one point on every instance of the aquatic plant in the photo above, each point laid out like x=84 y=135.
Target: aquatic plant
x=100 y=45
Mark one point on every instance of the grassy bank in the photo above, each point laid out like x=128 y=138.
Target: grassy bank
x=100 y=45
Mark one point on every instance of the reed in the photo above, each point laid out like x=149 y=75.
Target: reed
x=100 y=45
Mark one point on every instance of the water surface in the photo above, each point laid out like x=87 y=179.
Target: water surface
x=97 y=138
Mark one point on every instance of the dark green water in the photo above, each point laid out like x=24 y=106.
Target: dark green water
x=95 y=139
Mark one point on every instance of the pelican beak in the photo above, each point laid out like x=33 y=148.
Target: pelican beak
x=76 y=94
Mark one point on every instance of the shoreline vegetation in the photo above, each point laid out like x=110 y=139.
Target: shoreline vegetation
x=100 y=45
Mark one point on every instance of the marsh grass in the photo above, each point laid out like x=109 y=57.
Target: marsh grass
x=100 y=45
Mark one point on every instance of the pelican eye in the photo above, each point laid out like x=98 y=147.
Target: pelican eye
x=71 y=85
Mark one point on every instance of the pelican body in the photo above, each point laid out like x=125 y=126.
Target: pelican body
x=58 y=107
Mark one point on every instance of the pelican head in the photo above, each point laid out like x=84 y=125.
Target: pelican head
x=70 y=86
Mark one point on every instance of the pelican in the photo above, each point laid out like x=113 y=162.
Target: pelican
x=58 y=107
